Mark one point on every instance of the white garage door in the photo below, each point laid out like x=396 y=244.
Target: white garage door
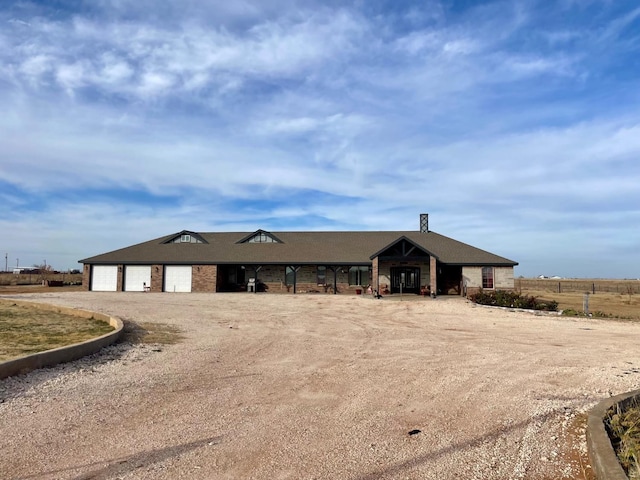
x=104 y=278
x=136 y=277
x=177 y=278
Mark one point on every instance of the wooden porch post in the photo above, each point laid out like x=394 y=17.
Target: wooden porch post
x=295 y=276
x=335 y=279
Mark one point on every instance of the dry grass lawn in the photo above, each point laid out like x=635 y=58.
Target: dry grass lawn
x=318 y=386
x=617 y=305
x=26 y=330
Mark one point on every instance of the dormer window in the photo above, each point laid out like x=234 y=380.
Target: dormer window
x=260 y=237
x=186 y=237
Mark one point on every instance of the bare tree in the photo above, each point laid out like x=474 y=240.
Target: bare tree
x=44 y=270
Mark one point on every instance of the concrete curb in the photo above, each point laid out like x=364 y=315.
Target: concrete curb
x=603 y=457
x=68 y=353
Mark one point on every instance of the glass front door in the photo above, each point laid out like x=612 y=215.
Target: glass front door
x=406 y=277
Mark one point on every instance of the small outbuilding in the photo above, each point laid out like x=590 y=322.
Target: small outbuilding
x=389 y=262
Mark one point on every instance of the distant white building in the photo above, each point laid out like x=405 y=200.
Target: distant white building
x=25 y=270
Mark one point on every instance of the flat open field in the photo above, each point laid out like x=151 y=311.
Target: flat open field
x=579 y=285
x=616 y=298
x=7 y=279
x=38 y=288
x=602 y=304
x=298 y=387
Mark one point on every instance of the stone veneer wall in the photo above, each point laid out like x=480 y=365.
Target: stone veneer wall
x=306 y=280
x=381 y=273
x=502 y=279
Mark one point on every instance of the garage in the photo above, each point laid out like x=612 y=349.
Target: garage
x=104 y=278
x=136 y=277
x=177 y=278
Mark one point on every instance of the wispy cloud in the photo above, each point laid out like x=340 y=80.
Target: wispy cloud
x=518 y=132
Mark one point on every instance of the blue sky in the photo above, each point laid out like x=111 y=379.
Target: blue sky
x=514 y=124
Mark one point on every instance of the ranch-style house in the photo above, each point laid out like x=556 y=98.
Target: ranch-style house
x=389 y=262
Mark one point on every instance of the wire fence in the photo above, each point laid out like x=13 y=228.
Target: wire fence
x=629 y=287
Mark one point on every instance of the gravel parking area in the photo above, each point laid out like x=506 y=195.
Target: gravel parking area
x=271 y=386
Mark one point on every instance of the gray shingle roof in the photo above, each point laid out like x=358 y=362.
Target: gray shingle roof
x=338 y=248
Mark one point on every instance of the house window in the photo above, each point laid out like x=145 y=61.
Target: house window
x=288 y=276
x=322 y=275
x=359 y=276
x=487 y=277
x=261 y=238
x=185 y=239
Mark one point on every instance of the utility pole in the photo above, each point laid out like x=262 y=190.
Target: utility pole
x=6 y=262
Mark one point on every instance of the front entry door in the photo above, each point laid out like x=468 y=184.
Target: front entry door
x=408 y=277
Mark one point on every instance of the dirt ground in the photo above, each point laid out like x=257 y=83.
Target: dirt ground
x=318 y=387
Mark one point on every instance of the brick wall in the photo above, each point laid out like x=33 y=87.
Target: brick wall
x=86 y=277
x=120 y=284
x=204 y=278
x=433 y=271
x=472 y=290
x=157 y=278
x=375 y=274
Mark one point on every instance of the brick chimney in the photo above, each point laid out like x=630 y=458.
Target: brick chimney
x=424 y=222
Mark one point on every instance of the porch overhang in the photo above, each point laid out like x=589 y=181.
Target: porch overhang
x=401 y=249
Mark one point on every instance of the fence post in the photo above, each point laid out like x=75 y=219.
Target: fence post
x=593 y=288
x=585 y=303
x=559 y=287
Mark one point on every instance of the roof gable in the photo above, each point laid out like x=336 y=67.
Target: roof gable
x=402 y=247
x=260 y=236
x=185 y=236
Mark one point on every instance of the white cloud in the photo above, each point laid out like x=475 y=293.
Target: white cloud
x=37 y=66
x=113 y=70
x=144 y=60
x=493 y=119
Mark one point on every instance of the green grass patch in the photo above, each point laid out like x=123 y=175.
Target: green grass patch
x=25 y=330
x=623 y=427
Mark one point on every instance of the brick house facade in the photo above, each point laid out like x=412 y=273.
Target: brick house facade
x=389 y=262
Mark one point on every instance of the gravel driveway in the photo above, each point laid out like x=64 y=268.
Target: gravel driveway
x=318 y=387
